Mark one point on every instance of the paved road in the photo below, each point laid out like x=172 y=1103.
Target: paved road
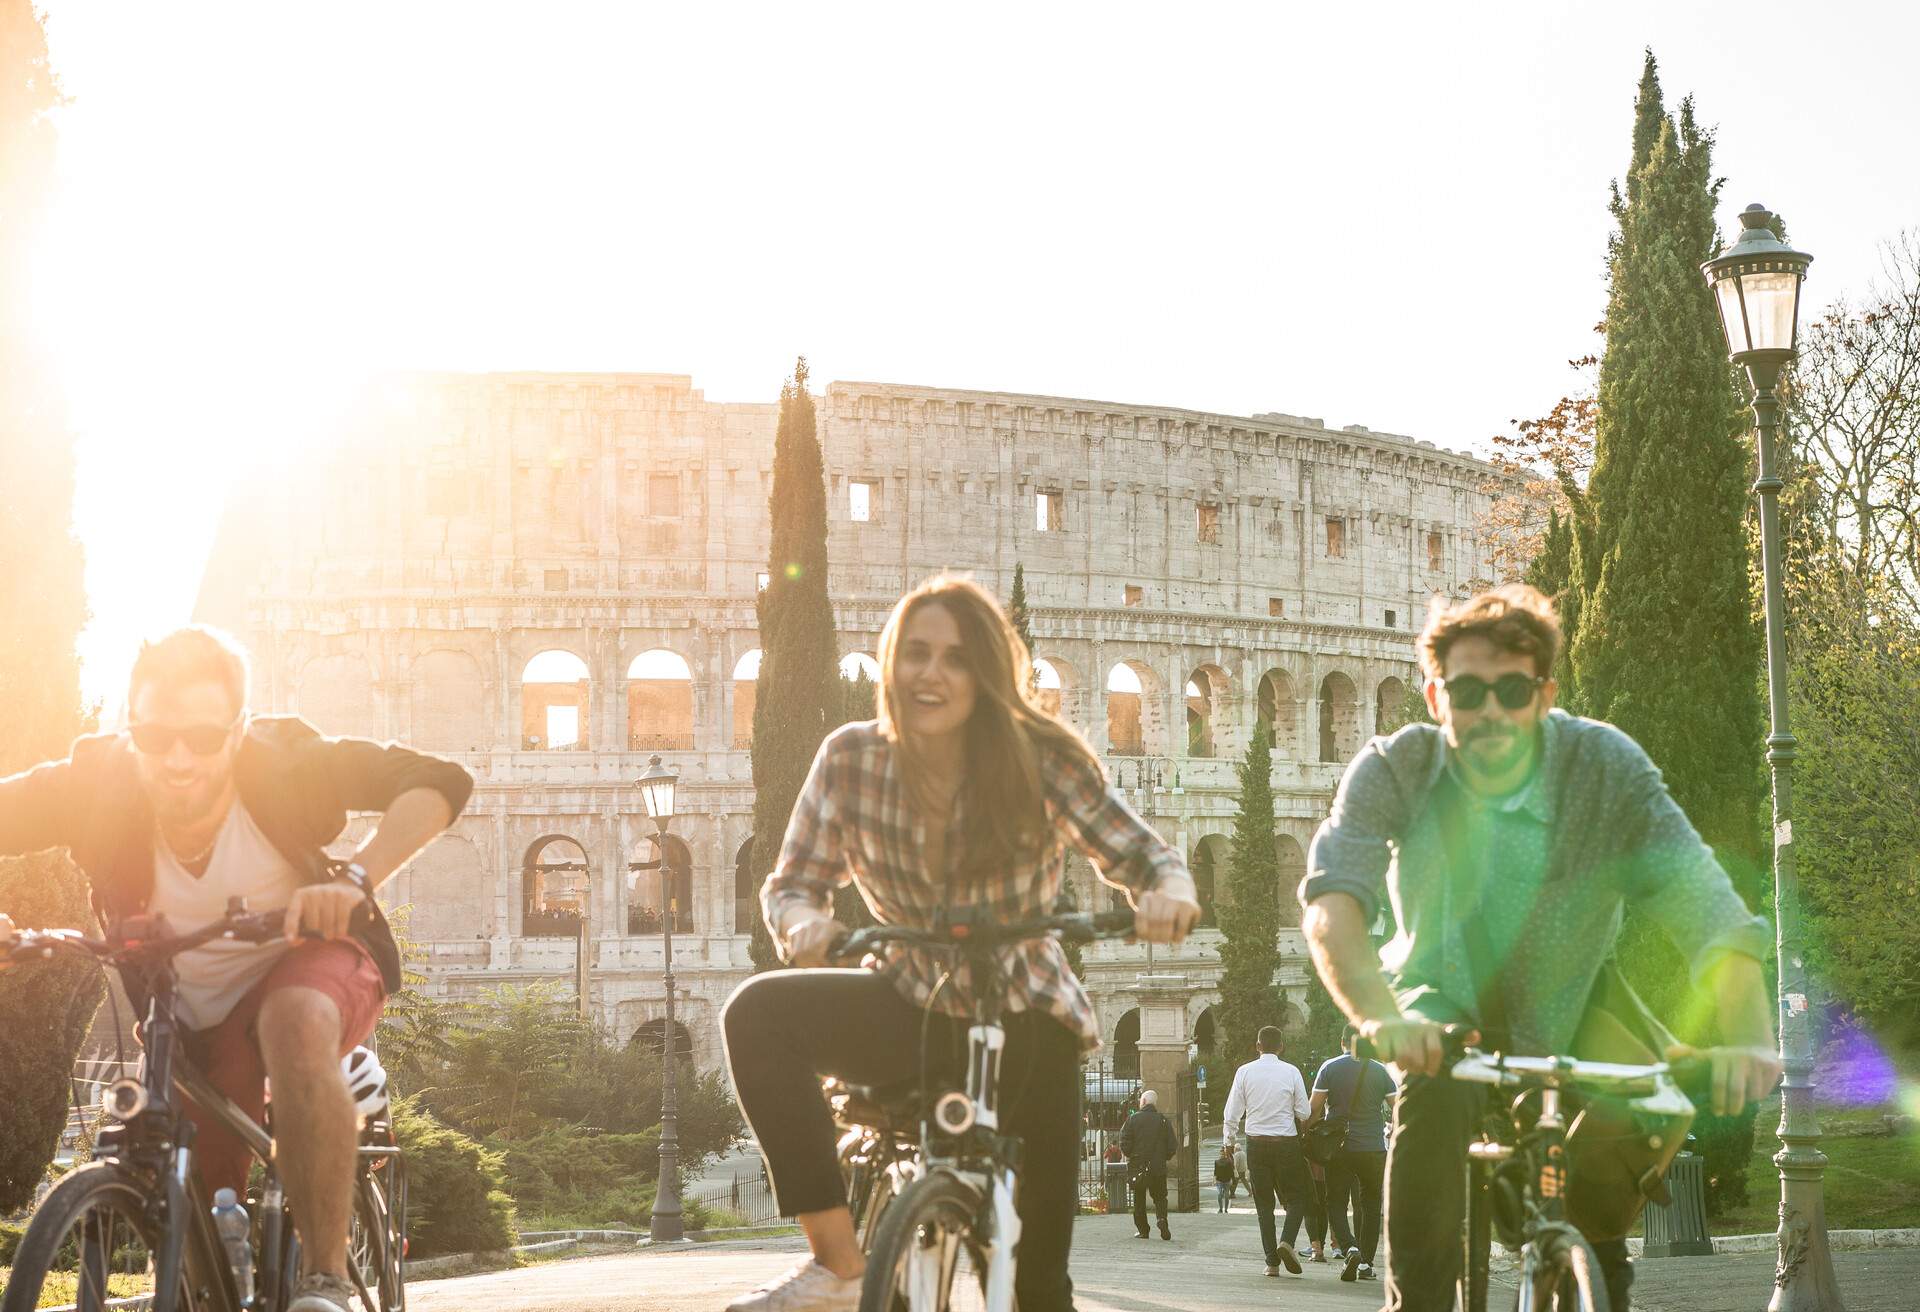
x=1213 y=1265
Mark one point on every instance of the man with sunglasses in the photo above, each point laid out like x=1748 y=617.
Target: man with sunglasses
x=198 y=803
x=1508 y=837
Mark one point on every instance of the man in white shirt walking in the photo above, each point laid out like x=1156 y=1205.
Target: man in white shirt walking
x=1271 y=1097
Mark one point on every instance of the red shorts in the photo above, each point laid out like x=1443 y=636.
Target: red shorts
x=228 y=1054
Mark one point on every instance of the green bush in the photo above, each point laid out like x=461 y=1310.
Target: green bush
x=456 y=1189
x=9 y=1242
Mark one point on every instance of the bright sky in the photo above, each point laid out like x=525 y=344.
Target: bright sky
x=1218 y=207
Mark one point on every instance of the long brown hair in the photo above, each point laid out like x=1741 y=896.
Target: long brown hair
x=1007 y=736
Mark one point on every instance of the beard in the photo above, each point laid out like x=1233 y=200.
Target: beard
x=1494 y=747
x=178 y=808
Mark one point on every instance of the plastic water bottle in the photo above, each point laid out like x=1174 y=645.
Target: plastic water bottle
x=236 y=1235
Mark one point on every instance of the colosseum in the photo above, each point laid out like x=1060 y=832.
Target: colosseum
x=551 y=577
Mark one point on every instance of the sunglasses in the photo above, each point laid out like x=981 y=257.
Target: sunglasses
x=201 y=739
x=1470 y=693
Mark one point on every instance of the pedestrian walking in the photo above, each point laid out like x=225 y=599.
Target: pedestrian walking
x=1270 y=1098
x=1353 y=1091
x=1223 y=1176
x=1149 y=1142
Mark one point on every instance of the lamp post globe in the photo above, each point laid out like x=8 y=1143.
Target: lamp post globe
x=657 y=785
x=1756 y=284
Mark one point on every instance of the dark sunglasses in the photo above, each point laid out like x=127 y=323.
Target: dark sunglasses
x=1470 y=693
x=201 y=739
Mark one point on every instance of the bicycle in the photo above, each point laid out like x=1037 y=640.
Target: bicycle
x=931 y=1179
x=1518 y=1174
x=130 y=1228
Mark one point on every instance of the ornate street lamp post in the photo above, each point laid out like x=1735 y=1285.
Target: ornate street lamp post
x=1757 y=285
x=656 y=789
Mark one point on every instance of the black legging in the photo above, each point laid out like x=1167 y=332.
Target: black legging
x=787 y=1028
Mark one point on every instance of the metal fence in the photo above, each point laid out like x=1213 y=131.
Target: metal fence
x=1106 y=1100
x=747 y=1197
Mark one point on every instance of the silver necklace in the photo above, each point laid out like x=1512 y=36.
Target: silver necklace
x=199 y=858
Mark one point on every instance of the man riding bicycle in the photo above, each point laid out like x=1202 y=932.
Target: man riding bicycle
x=1508 y=837
x=199 y=802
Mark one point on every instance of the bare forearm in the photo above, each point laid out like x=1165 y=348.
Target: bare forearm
x=1740 y=997
x=414 y=820
x=1336 y=935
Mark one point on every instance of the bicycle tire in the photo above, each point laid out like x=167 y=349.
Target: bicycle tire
x=1571 y=1280
x=109 y=1187
x=1474 y=1272
x=904 y=1273
x=371 y=1247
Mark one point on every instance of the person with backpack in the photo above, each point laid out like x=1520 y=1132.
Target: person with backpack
x=1348 y=1114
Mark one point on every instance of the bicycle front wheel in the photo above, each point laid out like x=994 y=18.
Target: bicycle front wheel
x=91 y=1244
x=1565 y=1277
x=927 y=1255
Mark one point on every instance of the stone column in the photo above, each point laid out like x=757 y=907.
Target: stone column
x=1162 y=1000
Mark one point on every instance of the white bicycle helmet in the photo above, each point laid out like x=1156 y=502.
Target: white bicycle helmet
x=366 y=1081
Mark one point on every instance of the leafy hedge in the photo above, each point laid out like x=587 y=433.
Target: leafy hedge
x=456 y=1189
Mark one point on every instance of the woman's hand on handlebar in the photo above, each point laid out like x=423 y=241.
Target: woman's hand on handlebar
x=810 y=940
x=1739 y=1075
x=1167 y=914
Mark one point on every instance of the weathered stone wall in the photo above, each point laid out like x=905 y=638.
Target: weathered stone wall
x=400 y=585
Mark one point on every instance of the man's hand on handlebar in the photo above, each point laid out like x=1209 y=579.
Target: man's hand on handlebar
x=1418 y=1047
x=322 y=911
x=1740 y=1075
x=810 y=940
x=1167 y=914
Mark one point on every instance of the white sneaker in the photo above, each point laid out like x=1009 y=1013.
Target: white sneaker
x=808 y=1287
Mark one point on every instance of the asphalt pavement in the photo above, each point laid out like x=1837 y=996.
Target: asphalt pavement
x=1212 y=1265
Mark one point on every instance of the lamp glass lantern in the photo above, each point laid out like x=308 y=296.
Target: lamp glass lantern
x=1757 y=284
x=656 y=790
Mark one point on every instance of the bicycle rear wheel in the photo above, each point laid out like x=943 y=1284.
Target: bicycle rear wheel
x=927 y=1256
x=373 y=1248
x=91 y=1243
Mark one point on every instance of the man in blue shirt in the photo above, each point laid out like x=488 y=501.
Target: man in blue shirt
x=1508 y=838
x=1356 y=1091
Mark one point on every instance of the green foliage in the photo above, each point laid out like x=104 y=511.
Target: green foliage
x=797 y=698
x=858 y=702
x=1250 y=918
x=1017 y=614
x=48 y=1007
x=456 y=1195
x=565 y=1176
x=1663 y=642
x=10 y=1236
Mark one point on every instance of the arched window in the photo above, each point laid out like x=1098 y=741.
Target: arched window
x=1279 y=710
x=555 y=888
x=746 y=674
x=665 y=890
x=1206 y=688
x=1047 y=683
x=1126 y=730
x=746 y=890
x=659 y=702
x=856 y=663
x=1205 y=1033
x=1390 y=710
x=1204 y=882
x=652 y=1037
x=1126 y=1046
x=553 y=703
x=1339 y=719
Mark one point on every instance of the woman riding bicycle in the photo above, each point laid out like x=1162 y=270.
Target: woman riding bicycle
x=962 y=795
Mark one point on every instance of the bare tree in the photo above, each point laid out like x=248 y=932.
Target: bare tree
x=1854 y=410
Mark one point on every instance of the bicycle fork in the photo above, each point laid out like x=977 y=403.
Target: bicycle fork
x=986 y=1044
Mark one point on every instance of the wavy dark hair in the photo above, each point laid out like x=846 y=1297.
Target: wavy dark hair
x=1009 y=738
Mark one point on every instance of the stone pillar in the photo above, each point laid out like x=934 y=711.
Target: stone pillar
x=1162 y=1000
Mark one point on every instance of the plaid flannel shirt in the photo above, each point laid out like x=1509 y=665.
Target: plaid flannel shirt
x=853 y=821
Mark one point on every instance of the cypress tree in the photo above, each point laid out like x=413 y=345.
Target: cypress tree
x=858 y=702
x=1250 y=918
x=48 y=1005
x=1017 y=615
x=1664 y=643
x=797 y=698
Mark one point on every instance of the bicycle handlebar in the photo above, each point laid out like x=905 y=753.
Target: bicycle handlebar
x=1692 y=1075
x=131 y=947
x=1074 y=927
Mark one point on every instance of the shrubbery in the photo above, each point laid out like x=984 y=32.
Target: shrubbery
x=456 y=1195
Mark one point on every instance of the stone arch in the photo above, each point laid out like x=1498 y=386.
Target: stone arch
x=746 y=889
x=1279 y=708
x=555 y=696
x=1209 y=865
x=746 y=686
x=444 y=891
x=1389 y=705
x=1291 y=859
x=666 y=889
x=1206 y=1034
x=1206 y=697
x=652 y=1036
x=336 y=696
x=854 y=663
x=1126 y=1044
x=449 y=702
x=555 y=888
x=659 y=702
x=1133 y=709
x=1049 y=685
x=1339 y=718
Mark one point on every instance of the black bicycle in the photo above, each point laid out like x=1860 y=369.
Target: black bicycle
x=129 y=1228
x=931 y=1178
x=1518 y=1168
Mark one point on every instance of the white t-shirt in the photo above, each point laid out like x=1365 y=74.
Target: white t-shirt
x=245 y=864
